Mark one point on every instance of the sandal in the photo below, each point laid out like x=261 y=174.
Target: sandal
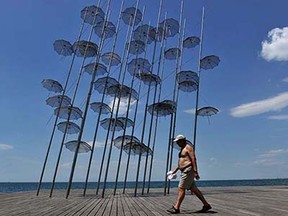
x=173 y=210
x=205 y=209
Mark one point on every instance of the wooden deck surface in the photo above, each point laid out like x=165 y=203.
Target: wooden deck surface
x=226 y=201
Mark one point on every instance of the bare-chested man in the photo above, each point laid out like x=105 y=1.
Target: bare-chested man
x=188 y=167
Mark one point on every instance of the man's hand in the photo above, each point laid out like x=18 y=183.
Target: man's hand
x=196 y=175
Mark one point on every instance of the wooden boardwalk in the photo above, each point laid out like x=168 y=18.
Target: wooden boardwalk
x=226 y=201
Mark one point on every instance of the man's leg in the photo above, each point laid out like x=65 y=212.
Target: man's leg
x=181 y=195
x=200 y=196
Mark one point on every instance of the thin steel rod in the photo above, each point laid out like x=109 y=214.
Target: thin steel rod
x=148 y=95
x=69 y=114
x=112 y=110
x=118 y=104
x=199 y=73
x=57 y=115
x=87 y=103
x=102 y=100
x=175 y=96
x=127 y=113
x=159 y=65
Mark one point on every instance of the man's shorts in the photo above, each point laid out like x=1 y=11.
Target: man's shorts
x=187 y=178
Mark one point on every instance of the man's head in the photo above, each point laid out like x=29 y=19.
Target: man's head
x=180 y=140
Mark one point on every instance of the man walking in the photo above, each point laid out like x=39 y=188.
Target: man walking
x=188 y=167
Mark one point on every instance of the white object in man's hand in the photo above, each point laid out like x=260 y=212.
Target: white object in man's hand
x=171 y=175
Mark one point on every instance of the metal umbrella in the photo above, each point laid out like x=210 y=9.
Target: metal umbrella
x=136 y=47
x=52 y=85
x=85 y=49
x=129 y=122
x=142 y=33
x=187 y=81
x=172 y=53
x=207 y=111
x=164 y=108
x=84 y=147
x=63 y=47
x=156 y=34
x=209 y=62
x=149 y=78
x=105 y=28
x=137 y=148
x=113 y=57
x=123 y=140
x=191 y=42
x=138 y=65
x=128 y=15
x=123 y=92
x=97 y=106
x=72 y=128
x=76 y=113
x=118 y=125
x=92 y=14
x=104 y=82
x=92 y=67
x=57 y=100
x=171 y=27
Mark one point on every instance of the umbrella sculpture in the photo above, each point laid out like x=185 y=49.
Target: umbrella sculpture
x=84 y=147
x=137 y=148
x=136 y=47
x=125 y=140
x=129 y=122
x=57 y=100
x=118 y=125
x=128 y=16
x=92 y=14
x=191 y=42
x=101 y=83
x=156 y=34
x=171 y=27
x=92 y=67
x=187 y=81
x=76 y=113
x=85 y=49
x=142 y=33
x=72 y=128
x=106 y=28
x=172 y=53
x=63 y=47
x=52 y=85
x=209 y=62
x=149 y=78
x=138 y=65
x=113 y=57
x=123 y=92
x=207 y=111
x=164 y=108
x=97 y=106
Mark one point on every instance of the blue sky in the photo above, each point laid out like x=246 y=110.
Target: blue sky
x=246 y=140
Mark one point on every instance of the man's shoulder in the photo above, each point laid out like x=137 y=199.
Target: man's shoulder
x=189 y=147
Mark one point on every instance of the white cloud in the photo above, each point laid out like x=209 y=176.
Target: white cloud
x=190 y=111
x=122 y=106
x=276 y=47
x=5 y=147
x=285 y=79
x=262 y=106
x=274 y=153
x=98 y=144
x=278 y=117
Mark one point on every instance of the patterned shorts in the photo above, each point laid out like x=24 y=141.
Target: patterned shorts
x=187 y=178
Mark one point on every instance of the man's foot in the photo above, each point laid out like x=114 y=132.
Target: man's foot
x=205 y=208
x=173 y=210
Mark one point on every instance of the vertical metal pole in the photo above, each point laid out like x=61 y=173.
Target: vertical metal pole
x=86 y=106
x=199 y=73
x=113 y=132
x=57 y=116
x=102 y=100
